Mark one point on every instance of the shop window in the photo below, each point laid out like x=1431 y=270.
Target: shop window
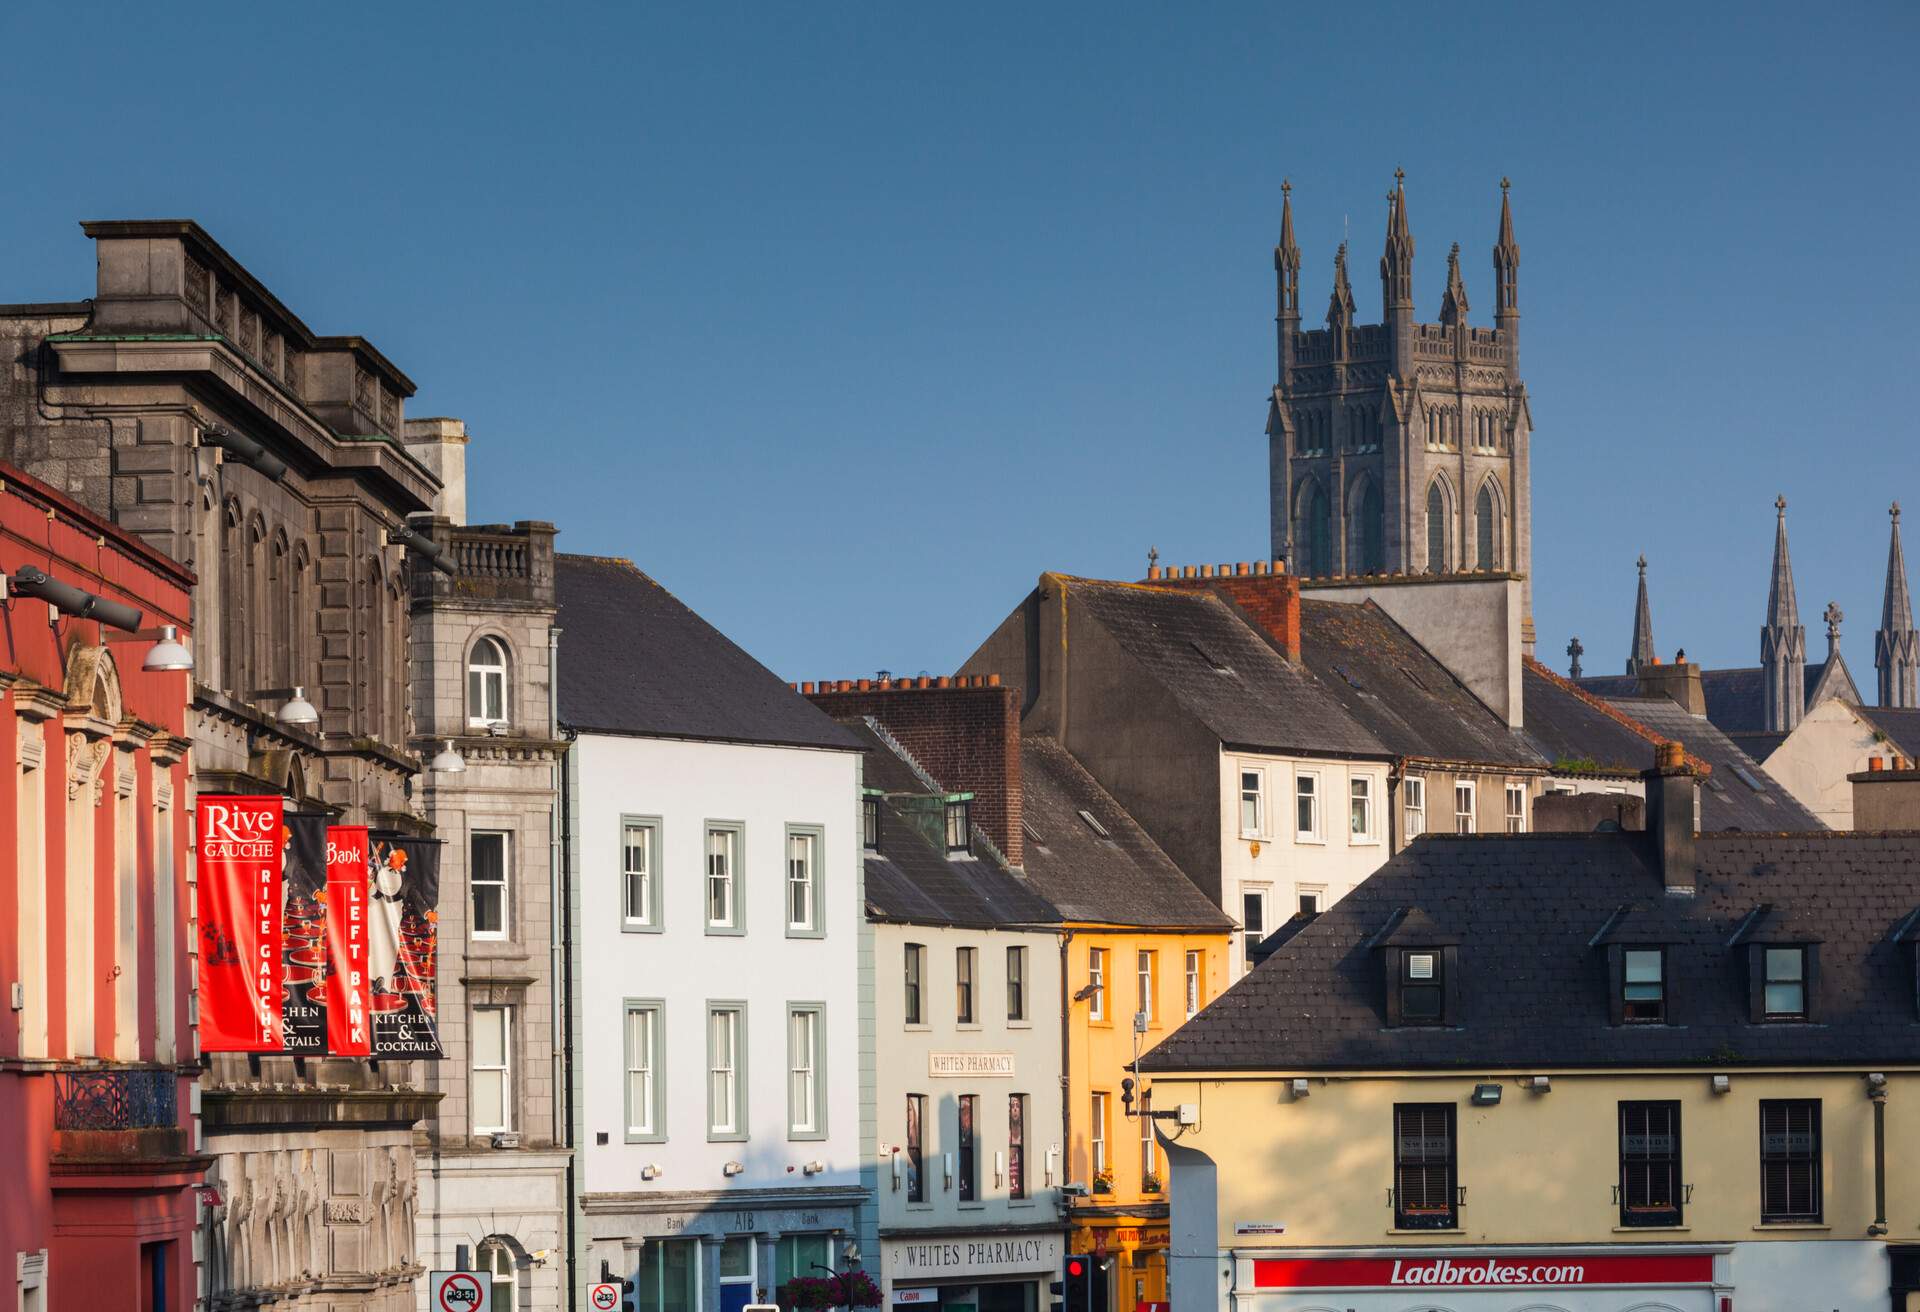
x=798 y=1255
x=737 y=1262
x=1017 y=1145
x=916 y=1148
x=668 y=1277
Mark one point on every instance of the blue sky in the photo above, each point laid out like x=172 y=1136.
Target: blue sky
x=846 y=321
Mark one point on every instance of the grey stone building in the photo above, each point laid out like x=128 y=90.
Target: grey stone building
x=1401 y=447
x=493 y=1170
x=185 y=402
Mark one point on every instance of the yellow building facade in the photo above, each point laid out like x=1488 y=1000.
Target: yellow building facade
x=1113 y=974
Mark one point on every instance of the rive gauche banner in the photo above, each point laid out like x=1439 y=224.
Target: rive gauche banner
x=240 y=842
x=403 y=942
x=348 y=986
x=303 y=877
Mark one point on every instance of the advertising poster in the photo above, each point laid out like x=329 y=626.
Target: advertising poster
x=303 y=876
x=238 y=863
x=403 y=945
x=348 y=987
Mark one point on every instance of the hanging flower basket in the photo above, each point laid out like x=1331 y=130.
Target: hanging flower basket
x=819 y=1294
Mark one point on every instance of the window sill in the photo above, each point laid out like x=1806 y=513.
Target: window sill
x=1308 y=840
x=970 y=1207
x=727 y=931
x=916 y=1027
x=1653 y=1229
x=967 y=1026
x=1019 y=1024
x=1817 y=1226
x=1021 y=1202
x=1364 y=842
x=1438 y=1230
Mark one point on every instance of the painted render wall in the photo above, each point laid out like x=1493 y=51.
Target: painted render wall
x=1831 y=742
x=684 y=784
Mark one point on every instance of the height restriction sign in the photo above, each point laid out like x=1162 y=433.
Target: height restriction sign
x=603 y=1297
x=458 y=1291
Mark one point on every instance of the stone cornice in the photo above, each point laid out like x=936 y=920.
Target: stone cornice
x=33 y=702
x=829 y=1195
x=269 y=1111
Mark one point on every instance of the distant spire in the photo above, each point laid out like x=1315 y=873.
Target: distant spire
x=1340 y=308
x=1783 y=642
x=1453 y=307
x=1286 y=256
x=1396 y=264
x=1640 y=654
x=1506 y=255
x=1896 y=647
x=1575 y=651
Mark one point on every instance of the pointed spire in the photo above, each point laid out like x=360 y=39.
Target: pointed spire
x=1340 y=308
x=1453 y=307
x=1506 y=251
x=1783 y=642
x=1286 y=256
x=1396 y=264
x=1640 y=654
x=1896 y=647
x=1506 y=278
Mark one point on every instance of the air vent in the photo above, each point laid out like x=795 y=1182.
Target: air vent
x=1093 y=823
x=1033 y=835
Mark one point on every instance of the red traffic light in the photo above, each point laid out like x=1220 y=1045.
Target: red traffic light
x=1075 y=1267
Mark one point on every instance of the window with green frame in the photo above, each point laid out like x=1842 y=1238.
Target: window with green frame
x=795 y=1255
x=668 y=1279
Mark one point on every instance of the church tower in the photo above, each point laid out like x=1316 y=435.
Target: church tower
x=1401 y=447
x=1896 y=647
x=1783 y=640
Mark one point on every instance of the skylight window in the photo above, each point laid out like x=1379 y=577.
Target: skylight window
x=1093 y=823
x=1219 y=666
x=1741 y=773
x=1033 y=835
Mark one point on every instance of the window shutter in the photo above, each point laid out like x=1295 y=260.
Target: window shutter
x=1616 y=971
x=1451 y=1013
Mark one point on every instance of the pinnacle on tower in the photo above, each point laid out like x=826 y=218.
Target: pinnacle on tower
x=1340 y=308
x=1396 y=264
x=1640 y=654
x=1896 y=647
x=1453 y=307
x=1286 y=256
x=1783 y=642
x=1506 y=260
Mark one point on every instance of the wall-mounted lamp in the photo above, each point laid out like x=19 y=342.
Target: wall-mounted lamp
x=946 y=1166
x=651 y=1171
x=899 y=1169
x=814 y=1167
x=168 y=653
x=1722 y=1083
x=297 y=710
x=1876 y=1080
x=733 y=1168
x=1053 y=1160
x=448 y=761
x=27 y=581
x=1301 y=1088
x=1486 y=1095
x=1540 y=1084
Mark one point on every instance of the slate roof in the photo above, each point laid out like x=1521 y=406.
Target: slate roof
x=1526 y=909
x=1396 y=689
x=1222 y=671
x=1901 y=726
x=1727 y=800
x=1567 y=727
x=1736 y=699
x=909 y=879
x=638 y=661
x=1120 y=878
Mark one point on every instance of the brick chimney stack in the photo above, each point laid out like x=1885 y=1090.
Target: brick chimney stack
x=964 y=730
x=1680 y=682
x=1263 y=591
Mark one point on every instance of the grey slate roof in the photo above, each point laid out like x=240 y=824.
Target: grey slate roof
x=1394 y=687
x=1526 y=908
x=1901 y=726
x=1222 y=671
x=1566 y=728
x=1727 y=801
x=638 y=661
x=1736 y=698
x=1120 y=878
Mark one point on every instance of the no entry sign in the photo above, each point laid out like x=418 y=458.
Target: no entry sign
x=603 y=1297
x=458 y=1291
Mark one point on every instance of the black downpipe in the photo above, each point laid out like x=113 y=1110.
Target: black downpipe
x=1878 y=1093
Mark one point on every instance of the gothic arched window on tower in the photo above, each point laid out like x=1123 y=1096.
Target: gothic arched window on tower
x=1436 y=529
x=1314 y=544
x=1366 y=524
x=1486 y=516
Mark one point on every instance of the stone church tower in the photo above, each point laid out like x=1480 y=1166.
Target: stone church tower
x=1401 y=447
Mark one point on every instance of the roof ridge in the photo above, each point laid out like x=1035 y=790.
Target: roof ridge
x=1613 y=712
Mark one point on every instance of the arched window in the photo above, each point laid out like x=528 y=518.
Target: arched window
x=1313 y=541
x=1366 y=527
x=497 y=1264
x=1486 y=517
x=487 y=682
x=1436 y=529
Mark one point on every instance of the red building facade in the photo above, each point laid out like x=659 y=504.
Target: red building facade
x=97 y=1055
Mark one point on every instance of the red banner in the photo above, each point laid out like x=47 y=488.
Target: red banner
x=349 y=989
x=1481 y=1271
x=241 y=990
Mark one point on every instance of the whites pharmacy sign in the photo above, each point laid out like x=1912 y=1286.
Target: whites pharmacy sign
x=970 y=1065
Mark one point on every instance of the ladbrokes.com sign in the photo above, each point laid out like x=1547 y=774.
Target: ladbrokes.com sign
x=1504 y=1271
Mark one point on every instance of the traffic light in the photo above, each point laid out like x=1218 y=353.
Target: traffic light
x=628 y=1303
x=1079 y=1283
x=1058 y=1289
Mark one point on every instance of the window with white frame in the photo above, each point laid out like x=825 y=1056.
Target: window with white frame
x=1145 y=970
x=1252 y=802
x=1016 y=984
x=723 y=853
x=1253 y=918
x=1194 y=959
x=643 y=1068
x=1463 y=806
x=1149 y=1151
x=803 y=881
x=640 y=886
x=1099 y=1135
x=487 y=876
x=1360 y=807
x=1414 y=791
x=1306 y=805
x=1097 y=982
x=726 y=1090
x=496 y=1259
x=1313 y=900
x=806 y=1067
x=1516 y=808
x=491 y=1070
x=487 y=682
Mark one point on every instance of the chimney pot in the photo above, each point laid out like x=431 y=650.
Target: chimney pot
x=923 y=682
x=945 y=682
x=1876 y=763
x=806 y=687
x=864 y=685
x=1672 y=756
x=1241 y=568
x=846 y=685
x=1279 y=567
x=1188 y=572
x=1153 y=572
x=993 y=681
x=1206 y=571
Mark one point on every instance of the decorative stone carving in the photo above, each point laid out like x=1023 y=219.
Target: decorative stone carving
x=194 y=284
x=363 y=389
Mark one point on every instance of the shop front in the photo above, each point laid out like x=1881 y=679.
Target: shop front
x=1613 y=1278
x=1130 y=1260
x=1004 y=1270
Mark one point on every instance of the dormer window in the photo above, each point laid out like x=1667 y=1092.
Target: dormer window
x=959 y=827
x=1643 y=990
x=870 y=823
x=1785 y=985
x=1422 y=999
